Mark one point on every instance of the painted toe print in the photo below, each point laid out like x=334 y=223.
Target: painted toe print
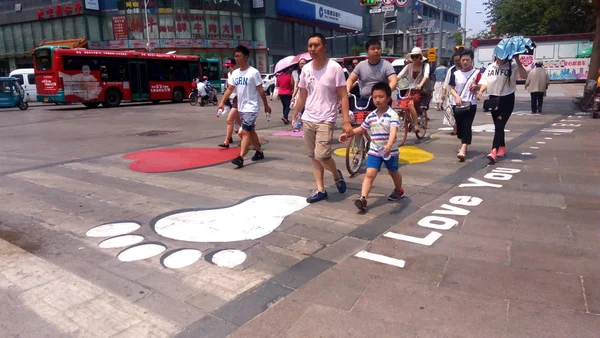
x=250 y=219
x=176 y=159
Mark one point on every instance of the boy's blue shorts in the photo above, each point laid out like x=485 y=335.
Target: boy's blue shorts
x=375 y=162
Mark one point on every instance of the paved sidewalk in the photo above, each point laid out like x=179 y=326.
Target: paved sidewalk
x=516 y=259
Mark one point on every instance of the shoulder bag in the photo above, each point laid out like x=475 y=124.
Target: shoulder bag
x=467 y=108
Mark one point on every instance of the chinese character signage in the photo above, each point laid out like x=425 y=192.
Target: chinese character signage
x=119 y=24
x=198 y=26
x=261 y=61
x=238 y=32
x=226 y=28
x=59 y=10
x=212 y=21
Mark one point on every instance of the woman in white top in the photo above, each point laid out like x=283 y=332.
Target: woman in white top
x=417 y=73
x=447 y=98
x=463 y=88
x=500 y=82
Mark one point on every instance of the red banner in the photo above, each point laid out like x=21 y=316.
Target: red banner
x=119 y=24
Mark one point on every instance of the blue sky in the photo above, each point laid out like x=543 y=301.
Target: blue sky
x=476 y=22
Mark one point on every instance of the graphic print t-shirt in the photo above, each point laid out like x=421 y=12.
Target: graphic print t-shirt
x=462 y=81
x=321 y=85
x=497 y=79
x=232 y=96
x=245 y=83
x=380 y=129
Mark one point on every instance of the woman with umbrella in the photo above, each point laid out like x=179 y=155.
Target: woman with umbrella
x=285 y=85
x=500 y=82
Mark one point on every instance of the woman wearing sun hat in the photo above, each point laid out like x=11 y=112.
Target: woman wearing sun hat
x=417 y=73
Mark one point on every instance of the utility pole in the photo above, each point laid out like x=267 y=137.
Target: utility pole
x=147 y=26
x=441 y=44
x=464 y=37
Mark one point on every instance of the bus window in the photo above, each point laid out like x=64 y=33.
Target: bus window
x=43 y=59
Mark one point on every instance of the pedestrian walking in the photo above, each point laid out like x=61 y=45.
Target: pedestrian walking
x=321 y=86
x=440 y=76
x=463 y=88
x=447 y=102
x=233 y=118
x=537 y=83
x=247 y=83
x=382 y=124
x=500 y=82
x=285 y=87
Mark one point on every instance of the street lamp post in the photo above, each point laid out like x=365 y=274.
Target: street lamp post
x=464 y=37
x=383 y=31
x=147 y=26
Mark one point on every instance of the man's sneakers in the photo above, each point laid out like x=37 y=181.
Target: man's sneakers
x=316 y=196
x=361 y=203
x=340 y=183
x=396 y=195
x=259 y=155
x=239 y=161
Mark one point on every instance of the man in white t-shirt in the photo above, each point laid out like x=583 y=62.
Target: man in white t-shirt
x=247 y=83
x=321 y=84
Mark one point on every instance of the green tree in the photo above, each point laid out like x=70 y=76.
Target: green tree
x=541 y=17
x=458 y=40
x=357 y=49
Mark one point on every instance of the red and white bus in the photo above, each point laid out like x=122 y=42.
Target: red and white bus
x=92 y=77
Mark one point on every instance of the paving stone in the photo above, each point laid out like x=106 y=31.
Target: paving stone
x=251 y=304
x=330 y=322
x=171 y=309
x=426 y=333
x=262 y=257
x=313 y=233
x=334 y=288
x=306 y=247
x=555 y=258
x=461 y=313
x=538 y=320
x=205 y=301
x=342 y=249
x=302 y=272
x=207 y=327
x=592 y=293
x=421 y=267
x=280 y=239
x=495 y=280
x=275 y=321
x=516 y=198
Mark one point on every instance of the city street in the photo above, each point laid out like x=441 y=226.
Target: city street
x=205 y=250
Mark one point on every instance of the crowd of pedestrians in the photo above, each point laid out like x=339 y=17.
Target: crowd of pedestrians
x=317 y=91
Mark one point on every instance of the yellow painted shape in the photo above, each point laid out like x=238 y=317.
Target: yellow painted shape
x=408 y=154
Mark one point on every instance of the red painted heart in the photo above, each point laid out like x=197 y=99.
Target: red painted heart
x=176 y=159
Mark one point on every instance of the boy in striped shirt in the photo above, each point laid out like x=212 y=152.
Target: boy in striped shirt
x=382 y=124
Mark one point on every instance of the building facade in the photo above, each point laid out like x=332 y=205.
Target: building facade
x=271 y=29
x=417 y=23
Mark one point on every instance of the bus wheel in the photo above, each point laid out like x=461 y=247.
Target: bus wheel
x=155 y=101
x=91 y=104
x=112 y=98
x=178 y=95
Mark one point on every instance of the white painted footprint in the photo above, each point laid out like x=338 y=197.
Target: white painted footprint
x=251 y=219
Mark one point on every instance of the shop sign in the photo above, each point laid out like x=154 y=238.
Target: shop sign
x=119 y=23
x=116 y=44
x=238 y=32
x=226 y=30
x=197 y=26
x=92 y=4
x=219 y=43
x=59 y=11
x=213 y=27
x=260 y=45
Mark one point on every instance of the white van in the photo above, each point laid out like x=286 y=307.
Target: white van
x=27 y=80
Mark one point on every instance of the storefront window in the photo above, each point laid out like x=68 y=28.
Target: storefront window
x=93 y=28
x=57 y=31
x=36 y=29
x=167 y=26
x=69 y=28
x=183 y=27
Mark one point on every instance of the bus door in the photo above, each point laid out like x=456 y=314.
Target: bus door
x=138 y=79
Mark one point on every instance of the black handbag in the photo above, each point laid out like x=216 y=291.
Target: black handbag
x=491 y=104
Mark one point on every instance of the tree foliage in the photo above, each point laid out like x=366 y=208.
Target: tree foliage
x=458 y=38
x=357 y=49
x=540 y=17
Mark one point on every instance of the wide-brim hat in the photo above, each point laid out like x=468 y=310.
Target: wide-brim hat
x=416 y=51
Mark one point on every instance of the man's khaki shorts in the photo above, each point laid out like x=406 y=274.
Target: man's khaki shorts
x=318 y=137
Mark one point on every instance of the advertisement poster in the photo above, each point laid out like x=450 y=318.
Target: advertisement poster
x=119 y=23
x=261 y=61
x=166 y=26
x=212 y=21
x=198 y=26
x=226 y=28
x=560 y=69
x=238 y=32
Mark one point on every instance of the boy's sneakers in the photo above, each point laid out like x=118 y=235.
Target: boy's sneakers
x=492 y=157
x=316 y=196
x=501 y=152
x=340 y=183
x=361 y=203
x=239 y=161
x=396 y=195
x=259 y=155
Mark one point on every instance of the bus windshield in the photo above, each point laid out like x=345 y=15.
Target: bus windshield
x=43 y=59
